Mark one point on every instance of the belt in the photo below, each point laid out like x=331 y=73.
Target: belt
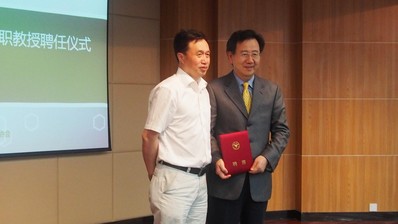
x=193 y=170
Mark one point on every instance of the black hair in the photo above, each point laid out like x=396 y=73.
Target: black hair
x=242 y=35
x=184 y=37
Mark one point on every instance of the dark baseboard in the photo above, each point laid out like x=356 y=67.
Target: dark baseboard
x=332 y=216
x=350 y=216
x=282 y=215
x=296 y=215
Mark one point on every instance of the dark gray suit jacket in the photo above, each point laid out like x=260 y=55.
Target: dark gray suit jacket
x=267 y=126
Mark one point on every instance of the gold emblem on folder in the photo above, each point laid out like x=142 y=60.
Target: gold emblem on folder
x=235 y=145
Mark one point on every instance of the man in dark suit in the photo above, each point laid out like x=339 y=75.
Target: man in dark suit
x=243 y=198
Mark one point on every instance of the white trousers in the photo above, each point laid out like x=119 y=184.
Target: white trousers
x=177 y=197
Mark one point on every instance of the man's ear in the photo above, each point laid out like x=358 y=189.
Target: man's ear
x=181 y=57
x=229 y=56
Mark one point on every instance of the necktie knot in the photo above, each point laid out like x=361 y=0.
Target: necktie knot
x=246 y=96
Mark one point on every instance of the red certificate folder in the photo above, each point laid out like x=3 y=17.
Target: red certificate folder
x=236 y=152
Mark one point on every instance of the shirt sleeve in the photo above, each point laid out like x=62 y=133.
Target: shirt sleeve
x=161 y=106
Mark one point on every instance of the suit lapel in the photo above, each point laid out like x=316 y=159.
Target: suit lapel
x=232 y=91
x=258 y=93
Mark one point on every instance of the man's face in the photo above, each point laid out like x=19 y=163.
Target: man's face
x=196 y=60
x=246 y=59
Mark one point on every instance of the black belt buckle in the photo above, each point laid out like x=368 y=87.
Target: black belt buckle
x=202 y=171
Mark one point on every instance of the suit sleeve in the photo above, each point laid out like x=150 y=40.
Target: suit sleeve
x=215 y=151
x=279 y=132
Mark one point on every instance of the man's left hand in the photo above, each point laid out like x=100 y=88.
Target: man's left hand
x=259 y=165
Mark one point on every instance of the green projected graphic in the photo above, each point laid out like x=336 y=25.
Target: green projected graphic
x=66 y=54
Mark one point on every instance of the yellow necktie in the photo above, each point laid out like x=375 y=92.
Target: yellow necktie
x=246 y=96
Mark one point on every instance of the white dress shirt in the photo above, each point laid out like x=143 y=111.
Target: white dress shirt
x=179 y=110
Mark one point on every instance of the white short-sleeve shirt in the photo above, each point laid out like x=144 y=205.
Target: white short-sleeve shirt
x=179 y=110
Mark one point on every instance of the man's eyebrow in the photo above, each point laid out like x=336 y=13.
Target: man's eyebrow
x=202 y=51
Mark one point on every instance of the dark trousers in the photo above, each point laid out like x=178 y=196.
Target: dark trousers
x=243 y=210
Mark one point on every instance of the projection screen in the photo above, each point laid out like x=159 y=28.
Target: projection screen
x=53 y=77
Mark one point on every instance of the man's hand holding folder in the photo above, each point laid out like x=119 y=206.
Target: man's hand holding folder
x=236 y=152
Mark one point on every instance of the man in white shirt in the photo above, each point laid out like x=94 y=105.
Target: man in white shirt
x=176 y=137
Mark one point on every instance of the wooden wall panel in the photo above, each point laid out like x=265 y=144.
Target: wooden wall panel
x=349 y=107
x=201 y=15
x=278 y=194
x=290 y=182
x=350 y=20
x=349 y=184
x=186 y=14
x=350 y=70
x=273 y=63
x=284 y=185
x=293 y=112
x=169 y=14
x=350 y=127
x=168 y=61
x=223 y=66
x=292 y=78
x=268 y=17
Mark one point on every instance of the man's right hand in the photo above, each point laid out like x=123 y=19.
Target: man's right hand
x=221 y=171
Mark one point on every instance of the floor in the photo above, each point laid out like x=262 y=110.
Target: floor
x=149 y=220
x=328 y=222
